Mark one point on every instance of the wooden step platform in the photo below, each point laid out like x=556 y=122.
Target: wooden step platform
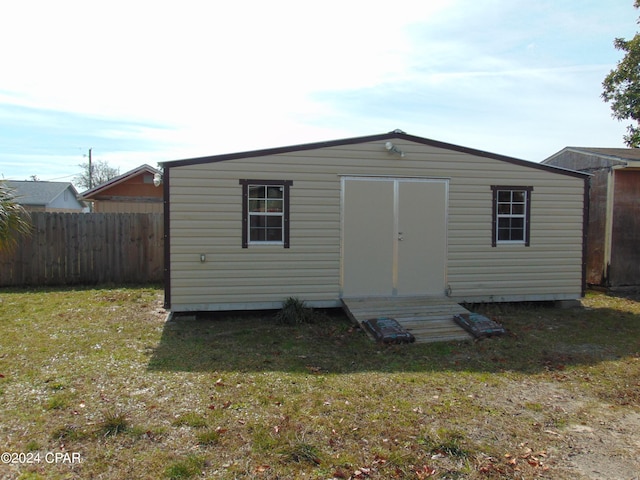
x=429 y=319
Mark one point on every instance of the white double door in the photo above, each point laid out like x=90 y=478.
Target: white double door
x=394 y=236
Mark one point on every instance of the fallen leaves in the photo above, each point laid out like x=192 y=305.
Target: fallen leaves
x=515 y=462
x=425 y=471
x=224 y=406
x=362 y=472
x=261 y=469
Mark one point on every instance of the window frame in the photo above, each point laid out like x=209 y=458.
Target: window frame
x=246 y=214
x=526 y=241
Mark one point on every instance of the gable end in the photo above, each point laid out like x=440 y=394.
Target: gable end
x=371 y=138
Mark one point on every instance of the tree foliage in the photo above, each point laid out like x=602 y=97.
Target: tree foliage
x=100 y=173
x=14 y=219
x=622 y=86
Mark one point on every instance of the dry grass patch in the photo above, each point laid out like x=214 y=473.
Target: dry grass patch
x=99 y=372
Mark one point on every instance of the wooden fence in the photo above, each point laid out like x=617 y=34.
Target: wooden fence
x=87 y=248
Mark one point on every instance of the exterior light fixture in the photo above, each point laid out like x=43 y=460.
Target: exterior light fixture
x=157 y=179
x=393 y=149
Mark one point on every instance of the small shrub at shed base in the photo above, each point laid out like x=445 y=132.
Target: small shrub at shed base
x=295 y=312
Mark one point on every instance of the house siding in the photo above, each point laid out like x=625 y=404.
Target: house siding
x=206 y=212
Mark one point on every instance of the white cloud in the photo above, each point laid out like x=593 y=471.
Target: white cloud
x=195 y=78
x=155 y=59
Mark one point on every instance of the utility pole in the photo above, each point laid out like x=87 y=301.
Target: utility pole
x=90 y=172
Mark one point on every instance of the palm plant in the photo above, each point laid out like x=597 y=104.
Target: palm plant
x=14 y=219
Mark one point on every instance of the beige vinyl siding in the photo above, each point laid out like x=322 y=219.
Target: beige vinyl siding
x=206 y=212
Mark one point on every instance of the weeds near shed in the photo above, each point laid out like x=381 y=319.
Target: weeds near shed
x=295 y=312
x=303 y=452
x=208 y=437
x=67 y=433
x=113 y=423
x=56 y=402
x=445 y=442
x=188 y=468
x=190 y=419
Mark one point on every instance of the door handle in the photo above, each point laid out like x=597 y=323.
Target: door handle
x=400 y=236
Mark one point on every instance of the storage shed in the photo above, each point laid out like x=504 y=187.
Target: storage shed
x=613 y=234
x=389 y=215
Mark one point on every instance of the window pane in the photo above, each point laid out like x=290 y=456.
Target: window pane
x=511 y=229
x=518 y=196
x=274 y=222
x=256 y=235
x=256 y=191
x=504 y=208
x=274 y=205
x=265 y=228
x=257 y=221
x=256 y=205
x=274 y=192
x=504 y=229
x=518 y=209
x=504 y=222
x=257 y=231
x=274 y=234
x=517 y=223
x=504 y=196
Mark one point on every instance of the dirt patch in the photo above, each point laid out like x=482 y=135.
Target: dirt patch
x=608 y=447
x=583 y=438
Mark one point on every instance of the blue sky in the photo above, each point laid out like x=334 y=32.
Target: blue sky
x=145 y=82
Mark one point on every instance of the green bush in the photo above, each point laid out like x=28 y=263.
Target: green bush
x=294 y=312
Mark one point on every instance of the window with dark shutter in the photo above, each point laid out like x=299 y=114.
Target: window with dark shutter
x=511 y=215
x=265 y=212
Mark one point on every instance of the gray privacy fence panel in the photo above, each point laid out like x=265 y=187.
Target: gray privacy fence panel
x=87 y=248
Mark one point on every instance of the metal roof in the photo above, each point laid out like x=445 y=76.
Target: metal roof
x=620 y=153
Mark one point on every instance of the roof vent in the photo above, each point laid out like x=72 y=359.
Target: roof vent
x=397 y=130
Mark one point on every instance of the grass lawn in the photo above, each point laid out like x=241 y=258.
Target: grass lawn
x=94 y=384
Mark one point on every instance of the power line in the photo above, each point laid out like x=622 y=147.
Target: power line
x=65 y=176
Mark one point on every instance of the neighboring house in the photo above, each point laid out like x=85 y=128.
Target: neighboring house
x=613 y=235
x=37 y=196
x=131 y=192
x=374 y=216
